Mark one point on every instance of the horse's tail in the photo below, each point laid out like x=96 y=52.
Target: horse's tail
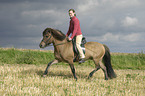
x=107 y=62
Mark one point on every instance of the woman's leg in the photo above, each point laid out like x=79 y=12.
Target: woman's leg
x=78 y=44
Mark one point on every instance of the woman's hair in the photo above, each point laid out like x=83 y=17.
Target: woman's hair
x=73 y=11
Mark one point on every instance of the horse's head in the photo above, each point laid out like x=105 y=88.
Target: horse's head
x=47 y=38
x=49 y=35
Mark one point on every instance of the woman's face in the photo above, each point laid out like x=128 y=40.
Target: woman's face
x=71 y=14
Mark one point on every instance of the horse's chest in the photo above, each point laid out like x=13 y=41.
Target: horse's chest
x=58 y=56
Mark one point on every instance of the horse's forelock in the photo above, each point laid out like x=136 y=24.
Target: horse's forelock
x=46 y=31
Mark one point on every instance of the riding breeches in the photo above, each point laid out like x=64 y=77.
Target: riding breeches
x=78 y=44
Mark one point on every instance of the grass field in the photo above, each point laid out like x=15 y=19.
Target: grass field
x=38 y=57
x=21 y=75
x=27 y=80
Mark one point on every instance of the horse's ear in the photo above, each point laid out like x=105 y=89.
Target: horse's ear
x=49 y=30
x=52 y=30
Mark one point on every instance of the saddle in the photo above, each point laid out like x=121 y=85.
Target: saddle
x=76 y=52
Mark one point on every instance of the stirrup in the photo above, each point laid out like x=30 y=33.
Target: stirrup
x=82 y=61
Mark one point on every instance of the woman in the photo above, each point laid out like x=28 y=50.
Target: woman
x=75 y=29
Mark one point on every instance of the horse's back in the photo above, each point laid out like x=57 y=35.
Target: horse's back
x=94 y=45
x=94 y=49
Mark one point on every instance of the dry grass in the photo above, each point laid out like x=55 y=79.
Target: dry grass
x=20 y=80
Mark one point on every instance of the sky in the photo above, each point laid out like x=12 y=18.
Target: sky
x=120 y=24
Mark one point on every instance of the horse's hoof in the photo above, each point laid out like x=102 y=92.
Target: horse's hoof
x=44 y=75
x=76 y=78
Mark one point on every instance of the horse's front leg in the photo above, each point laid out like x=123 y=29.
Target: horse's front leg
x=72 y=69
x=50 y=63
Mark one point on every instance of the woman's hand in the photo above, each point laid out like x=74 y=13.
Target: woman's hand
x=69 y=39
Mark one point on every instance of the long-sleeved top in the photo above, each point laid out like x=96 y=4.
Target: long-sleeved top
x=74 y=27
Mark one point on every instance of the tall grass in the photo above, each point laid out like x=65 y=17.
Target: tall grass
x=17 y=56
x=37 y=57
x=129 y=61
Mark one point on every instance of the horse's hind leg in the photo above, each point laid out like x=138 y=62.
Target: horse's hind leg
x=50 y=63
x=96 y=61
x=104 y=69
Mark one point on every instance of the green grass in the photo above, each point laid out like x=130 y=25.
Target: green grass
x=129 y=61
x=18 y=56
x=38 y=57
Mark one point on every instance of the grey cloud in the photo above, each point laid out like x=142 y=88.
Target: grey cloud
x=108 y=16
x=25 y=20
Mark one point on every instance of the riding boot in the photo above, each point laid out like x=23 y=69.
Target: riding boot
x=82 y=61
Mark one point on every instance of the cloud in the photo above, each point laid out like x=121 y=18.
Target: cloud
x=129 y=21
x=126 y=3
x=113 y=22
x=37 y=13
x=110 y=37
x=119 y=42
x=134 y=37
x=115 y=38
x=88 y=5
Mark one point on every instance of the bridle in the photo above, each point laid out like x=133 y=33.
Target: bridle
x=48 y=41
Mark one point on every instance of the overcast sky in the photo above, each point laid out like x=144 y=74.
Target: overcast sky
x=120 y=24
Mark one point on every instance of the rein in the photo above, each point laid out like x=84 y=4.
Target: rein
x=57 y=44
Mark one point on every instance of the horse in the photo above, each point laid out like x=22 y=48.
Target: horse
x=63 y=52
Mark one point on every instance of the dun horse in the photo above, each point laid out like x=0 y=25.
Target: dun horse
x=63 y=52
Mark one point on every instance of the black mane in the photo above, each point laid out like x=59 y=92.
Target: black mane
x=57 y=34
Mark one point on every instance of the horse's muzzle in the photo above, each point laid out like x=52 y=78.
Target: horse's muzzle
x=42 y=45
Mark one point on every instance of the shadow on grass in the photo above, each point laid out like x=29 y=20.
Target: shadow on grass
x=55 y=73
x=59 y=73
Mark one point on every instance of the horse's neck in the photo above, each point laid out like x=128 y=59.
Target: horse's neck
x=61 y=45
x=58 y=42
